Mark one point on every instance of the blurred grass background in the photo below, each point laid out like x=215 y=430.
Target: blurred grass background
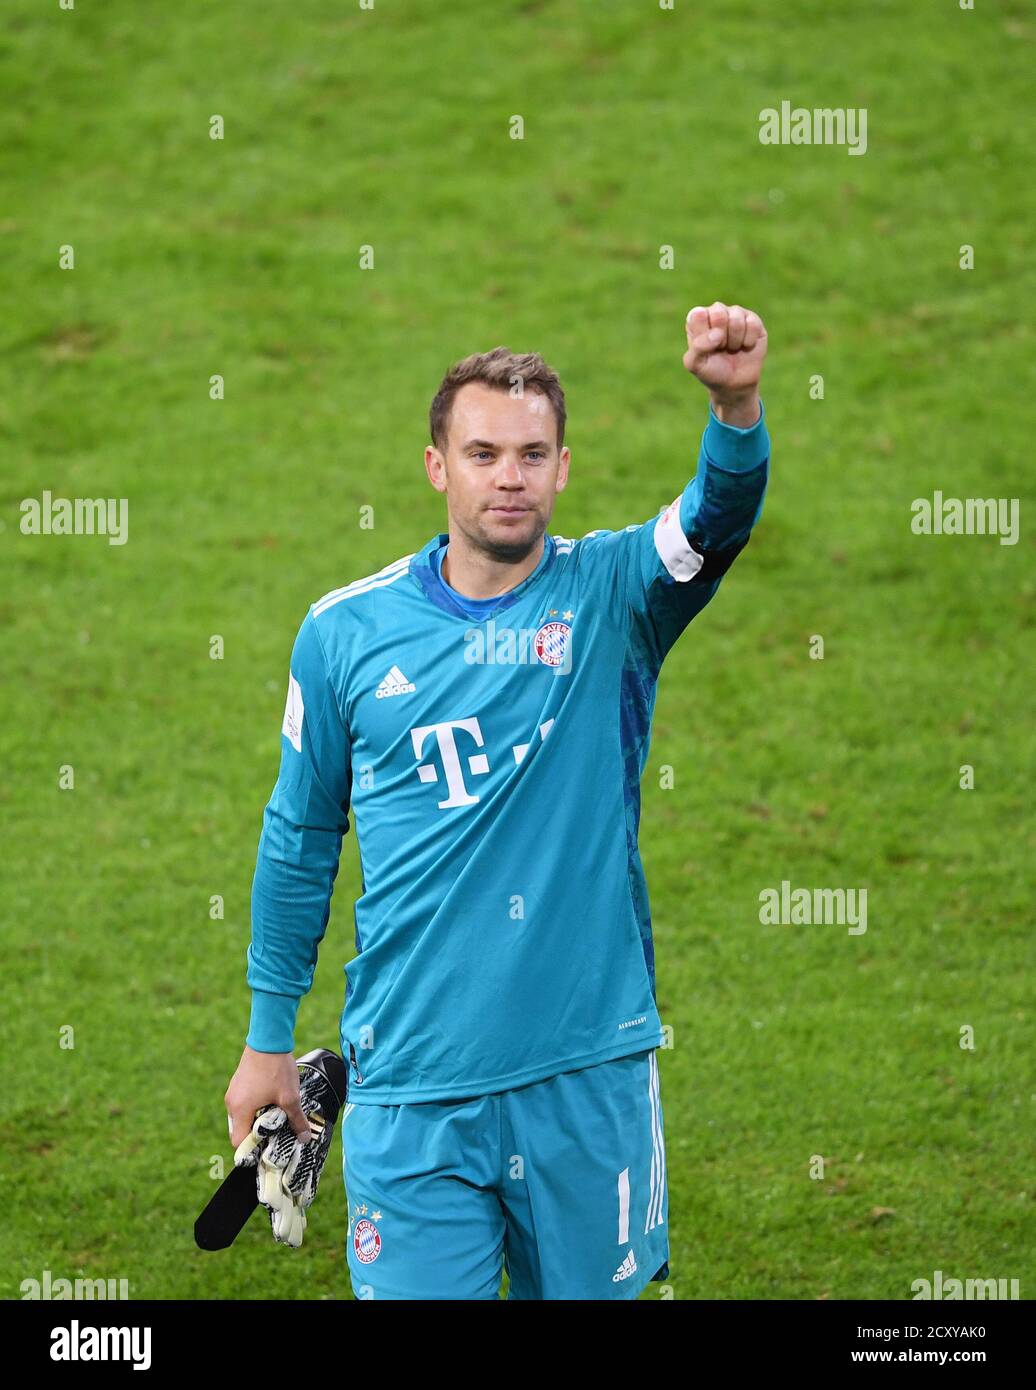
x=239 y=257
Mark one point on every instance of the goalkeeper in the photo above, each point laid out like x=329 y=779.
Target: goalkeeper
x=482 y=709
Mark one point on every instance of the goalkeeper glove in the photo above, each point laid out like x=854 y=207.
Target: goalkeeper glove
x=288 y=1170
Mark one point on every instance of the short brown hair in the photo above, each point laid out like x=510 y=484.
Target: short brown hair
x=497 y=368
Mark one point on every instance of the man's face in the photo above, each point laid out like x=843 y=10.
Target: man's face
x=502 y=469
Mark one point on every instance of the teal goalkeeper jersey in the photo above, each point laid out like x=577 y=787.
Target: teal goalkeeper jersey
x=490 y=760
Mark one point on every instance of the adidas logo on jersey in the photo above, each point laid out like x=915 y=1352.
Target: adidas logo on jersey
x=628 y=1267
x=395 y=683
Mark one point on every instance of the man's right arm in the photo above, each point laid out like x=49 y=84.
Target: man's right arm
x=296 y=865
x=299 y=847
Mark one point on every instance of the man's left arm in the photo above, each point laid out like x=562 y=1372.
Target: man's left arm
x=683 y=554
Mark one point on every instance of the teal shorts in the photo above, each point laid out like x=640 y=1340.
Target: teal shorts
x=562 y=1183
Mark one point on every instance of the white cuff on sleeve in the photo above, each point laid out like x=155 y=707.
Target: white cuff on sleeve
x=676 y=552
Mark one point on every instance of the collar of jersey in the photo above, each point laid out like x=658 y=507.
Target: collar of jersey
x=424 y=575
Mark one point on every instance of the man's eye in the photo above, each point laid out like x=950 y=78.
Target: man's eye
x=535 y=453
x=483 y=454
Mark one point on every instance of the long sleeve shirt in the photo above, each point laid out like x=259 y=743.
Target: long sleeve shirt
x=489 y=754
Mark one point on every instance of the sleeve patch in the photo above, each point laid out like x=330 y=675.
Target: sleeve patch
x=675 y=551
x=294 y=713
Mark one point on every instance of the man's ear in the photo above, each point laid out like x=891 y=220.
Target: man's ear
x=565 y=458
x=435 y=467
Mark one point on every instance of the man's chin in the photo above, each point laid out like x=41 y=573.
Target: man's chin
x=511 y=540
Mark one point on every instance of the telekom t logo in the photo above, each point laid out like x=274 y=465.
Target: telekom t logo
x=445 y=737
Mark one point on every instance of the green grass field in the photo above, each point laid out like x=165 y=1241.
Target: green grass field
x=195 y=257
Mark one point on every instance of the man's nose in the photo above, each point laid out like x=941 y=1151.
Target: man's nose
x=510 y=474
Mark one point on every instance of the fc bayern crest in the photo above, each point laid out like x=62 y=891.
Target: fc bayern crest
x=550 y=643
x=366 y=1241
